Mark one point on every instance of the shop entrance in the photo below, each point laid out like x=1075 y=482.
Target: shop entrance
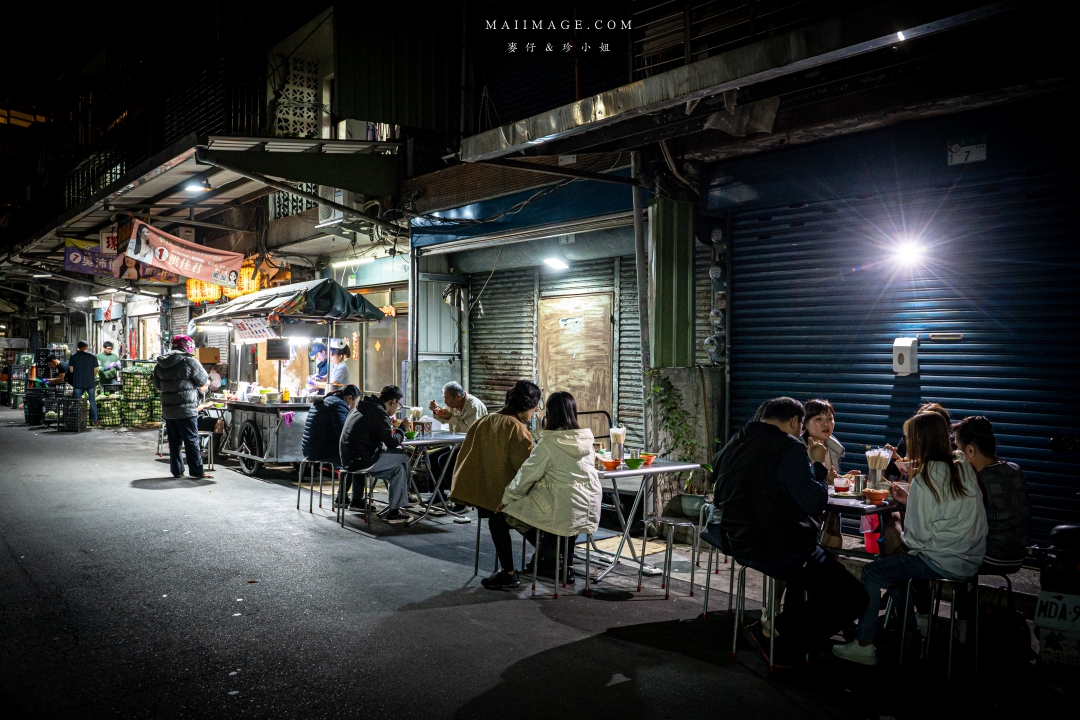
x=574 y=352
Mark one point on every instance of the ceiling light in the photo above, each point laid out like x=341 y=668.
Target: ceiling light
x=82 y=298
x=909 y=253
x=900 y=36
x=197 y=187
x=212 y=326
x=555 y=263
x=42 y=275
x=353 y=262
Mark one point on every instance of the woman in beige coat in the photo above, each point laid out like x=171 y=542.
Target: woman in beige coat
x=494 y=448
x=557 y=490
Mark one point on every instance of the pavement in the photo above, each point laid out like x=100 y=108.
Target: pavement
x=127 y=593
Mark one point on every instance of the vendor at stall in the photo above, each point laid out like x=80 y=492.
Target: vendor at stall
x=318 y=354
x=63 y=368
x=109 y=362
x=338 y=371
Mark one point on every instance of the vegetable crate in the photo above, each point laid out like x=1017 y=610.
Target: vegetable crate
x=134 y=412
x=135 y=382
x=110 y=410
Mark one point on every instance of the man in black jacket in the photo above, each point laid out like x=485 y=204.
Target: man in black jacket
x=768 y=496
x=368 y=442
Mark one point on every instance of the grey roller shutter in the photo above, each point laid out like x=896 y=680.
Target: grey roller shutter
x=502 y=333
x=178 y=320
x=817 y=301
x=628 y=410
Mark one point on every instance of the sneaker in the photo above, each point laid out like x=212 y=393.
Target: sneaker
x=501 y=580
x=854 y=652
x=462 y=519
x=396 y=517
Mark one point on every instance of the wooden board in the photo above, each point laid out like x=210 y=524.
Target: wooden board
x=574 y=352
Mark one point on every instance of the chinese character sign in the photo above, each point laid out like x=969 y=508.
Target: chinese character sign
x=168 y=252
x=107 y=239
x=85 y=256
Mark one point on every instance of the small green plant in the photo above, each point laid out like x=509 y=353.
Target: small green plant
x=678 y=438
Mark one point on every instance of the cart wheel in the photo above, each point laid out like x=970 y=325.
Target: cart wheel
x=250 y=444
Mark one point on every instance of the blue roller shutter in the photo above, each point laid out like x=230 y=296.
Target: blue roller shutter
x=817 y=299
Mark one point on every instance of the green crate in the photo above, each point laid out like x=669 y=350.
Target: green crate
x=109 y=411
x=135 y=382
x=134 y=412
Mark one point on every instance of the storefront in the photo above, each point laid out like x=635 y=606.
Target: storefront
x=974 y=259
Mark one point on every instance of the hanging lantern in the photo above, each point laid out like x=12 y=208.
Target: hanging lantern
x=199 y=291
x=246 y=283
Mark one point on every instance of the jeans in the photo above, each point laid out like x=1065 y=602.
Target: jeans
x=394 y=469
x=892 y=573
x=833 y=597
x=90 y=393
x=184 y=431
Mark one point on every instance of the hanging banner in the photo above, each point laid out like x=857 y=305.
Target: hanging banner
x=84 y=256
x=252 y=331
x=168 y=252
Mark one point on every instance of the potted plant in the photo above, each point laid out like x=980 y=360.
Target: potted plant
x=677 y=438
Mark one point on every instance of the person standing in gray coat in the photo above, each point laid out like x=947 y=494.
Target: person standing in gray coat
x=179 y=377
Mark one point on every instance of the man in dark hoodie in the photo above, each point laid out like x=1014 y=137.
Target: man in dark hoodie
x=769 y=493
x=325 y=420
x=179 y=377
x=368 y=441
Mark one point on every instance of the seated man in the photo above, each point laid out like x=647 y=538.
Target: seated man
x=326 y=420
x=461 y=411
x=768 y=494
x=367 y=443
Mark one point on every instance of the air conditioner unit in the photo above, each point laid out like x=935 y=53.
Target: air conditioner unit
x=327 y=214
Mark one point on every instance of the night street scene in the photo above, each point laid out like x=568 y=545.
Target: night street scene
x=623 y=360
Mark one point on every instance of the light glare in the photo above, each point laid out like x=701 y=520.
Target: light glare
x=909 y=253
x=556 y=263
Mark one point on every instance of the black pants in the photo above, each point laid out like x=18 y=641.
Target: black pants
x=500 y=535
x=184 y=431
x=834 y=598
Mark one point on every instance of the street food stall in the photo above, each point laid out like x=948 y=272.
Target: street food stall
x=267 y=425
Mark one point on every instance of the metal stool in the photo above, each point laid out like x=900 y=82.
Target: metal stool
x=671 y=523
x=476 y=560
x=312 y=464
x=209 y=435
x=711 y=541
x=560 y=542
x=935 y=606
x=740 y=609
x=367 y=490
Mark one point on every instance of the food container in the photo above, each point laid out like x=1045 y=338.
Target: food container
x=634 y=463
x=610 y=464
x=875 y=497
x=410 y=434
x=272 y=397
x=648 y=458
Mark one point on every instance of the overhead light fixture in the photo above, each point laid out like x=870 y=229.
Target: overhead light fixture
x=555 y=263
x=82 y=298
x=179 y=295
x=212 y=326
x=197 y=187
x=353 y=262
x=3 y=327
x=42 y=275
x=900 y=36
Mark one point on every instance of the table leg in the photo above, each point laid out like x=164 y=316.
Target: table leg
x=626 y=533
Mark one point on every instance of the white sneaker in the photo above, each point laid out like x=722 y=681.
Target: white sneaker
x=923 y=621
x=853 y=651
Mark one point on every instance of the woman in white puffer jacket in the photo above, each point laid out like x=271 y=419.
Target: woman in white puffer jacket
x=557 y=490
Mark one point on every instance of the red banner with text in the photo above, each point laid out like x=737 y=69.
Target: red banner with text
x=168 y=252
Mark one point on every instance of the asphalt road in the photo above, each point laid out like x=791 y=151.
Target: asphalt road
x=127 y=593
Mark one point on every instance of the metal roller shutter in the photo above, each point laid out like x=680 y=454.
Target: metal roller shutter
x=629 y=407
x=502 y=340
x=178 y=320
x=702 y=302
x=817 y=301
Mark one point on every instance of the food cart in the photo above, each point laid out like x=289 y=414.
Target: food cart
x=263 y=429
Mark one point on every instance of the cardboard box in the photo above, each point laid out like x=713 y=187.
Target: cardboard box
x=208 y=356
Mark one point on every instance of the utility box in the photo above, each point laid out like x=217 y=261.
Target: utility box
x=905 y=356
x=208 y=355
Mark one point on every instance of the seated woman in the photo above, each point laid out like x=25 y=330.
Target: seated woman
x=557 y=490
x=496 y=446
x=944 y=532
x=325 y=420
x=818 y=425
x=1005 y=497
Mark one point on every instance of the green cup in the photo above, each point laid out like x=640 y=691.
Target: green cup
x=633 y=463
x=410 y=434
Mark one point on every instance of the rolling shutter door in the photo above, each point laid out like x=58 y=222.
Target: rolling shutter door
x=817 y=301
x=502 y=340
x=628 y=410
x=178 y=320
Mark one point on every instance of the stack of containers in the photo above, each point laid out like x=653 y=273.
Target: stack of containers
x=109 y=409
x=138 y=394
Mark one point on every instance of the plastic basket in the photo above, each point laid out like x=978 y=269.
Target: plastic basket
x=72 y=414
x=33 y=409
x=110 y=410
x=134 y=412
x=51 y=410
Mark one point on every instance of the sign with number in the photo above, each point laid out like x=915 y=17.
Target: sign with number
x=967 y=150
x=1058 y=611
